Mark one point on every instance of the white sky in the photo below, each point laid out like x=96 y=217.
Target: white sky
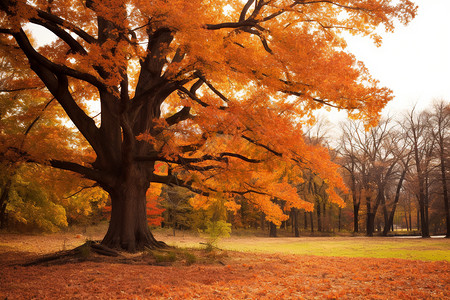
x=414 y=61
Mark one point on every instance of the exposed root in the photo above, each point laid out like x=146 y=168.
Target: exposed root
x=79 y=253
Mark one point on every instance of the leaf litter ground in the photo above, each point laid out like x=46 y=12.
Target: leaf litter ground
x=219 y=275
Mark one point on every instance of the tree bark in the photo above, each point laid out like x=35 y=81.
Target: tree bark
x=390 y=221
x=272 y=230
x=424 y=227
x=356 y=217
x=3 y=202
x=339 y=218
x=311 y=221
x=319 y=218
x=306 y=220
x=295 y=222
x=445 y=191
x=262 y=220
x=370 y=218
x=370 y=223
x=128 y=228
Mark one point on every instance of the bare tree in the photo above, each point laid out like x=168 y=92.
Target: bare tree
x=440 y=130
x=372 y=159
x=421 y=142
x=349 y=160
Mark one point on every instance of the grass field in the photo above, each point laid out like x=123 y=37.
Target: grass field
x=415 y=249
x=374 y=247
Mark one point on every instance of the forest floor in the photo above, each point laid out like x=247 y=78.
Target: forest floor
x=264 y=268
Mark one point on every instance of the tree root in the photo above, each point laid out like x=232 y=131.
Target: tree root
x=79 y=253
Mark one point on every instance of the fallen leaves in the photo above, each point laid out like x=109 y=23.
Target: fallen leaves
x=244 y=276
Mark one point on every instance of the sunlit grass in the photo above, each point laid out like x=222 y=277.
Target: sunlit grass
x=413 y=249
x=434 y=249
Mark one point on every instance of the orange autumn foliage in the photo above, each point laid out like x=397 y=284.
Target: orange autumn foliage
x=218 y=90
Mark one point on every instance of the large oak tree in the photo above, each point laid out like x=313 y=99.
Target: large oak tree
x=218 y=90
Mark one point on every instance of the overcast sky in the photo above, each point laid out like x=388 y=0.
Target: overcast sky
x=414 y=61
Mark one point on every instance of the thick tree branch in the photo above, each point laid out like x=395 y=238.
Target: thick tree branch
x=192 y=96
x=245 y=10
x=86 y=172
x=231 y=25
x=57 y=83
x=261 y=37
x=74 y=45
x=60 y=22
x=21 y=89
x=221 y=157
x=239 y=156
x=33 y=55
x=179 y=116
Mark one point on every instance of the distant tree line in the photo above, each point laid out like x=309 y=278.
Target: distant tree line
x=398 y=172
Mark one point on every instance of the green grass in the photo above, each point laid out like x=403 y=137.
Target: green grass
x=413 y=249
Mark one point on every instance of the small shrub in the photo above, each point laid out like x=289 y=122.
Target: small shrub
x=216 y=230
x=190 y=258
x=163 y=256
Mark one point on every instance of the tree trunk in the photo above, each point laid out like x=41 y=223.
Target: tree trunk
x=305 y=214
x=325 y=219
x=426 y=232
x=311 y=221
x=370 y=223
x=406 y=221
x=295 y=213
x=128 y=228
x=390 y=220
x=385 y=215
x=272 y=230
x=418 y=219
x=262 y=221
x=356 y=217
x=423 y=210
x=445 y=192
x=424 y=221
x=3 y=202
x=319 y=219
x=370 y=218
x=339 y=219
x=3 y=217
x=444 y=182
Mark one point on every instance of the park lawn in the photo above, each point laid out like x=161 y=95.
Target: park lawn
x=375 y=247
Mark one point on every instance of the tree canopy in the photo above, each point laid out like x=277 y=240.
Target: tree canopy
x=218 y=90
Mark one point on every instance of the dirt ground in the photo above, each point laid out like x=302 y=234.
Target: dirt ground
x=214 y=275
